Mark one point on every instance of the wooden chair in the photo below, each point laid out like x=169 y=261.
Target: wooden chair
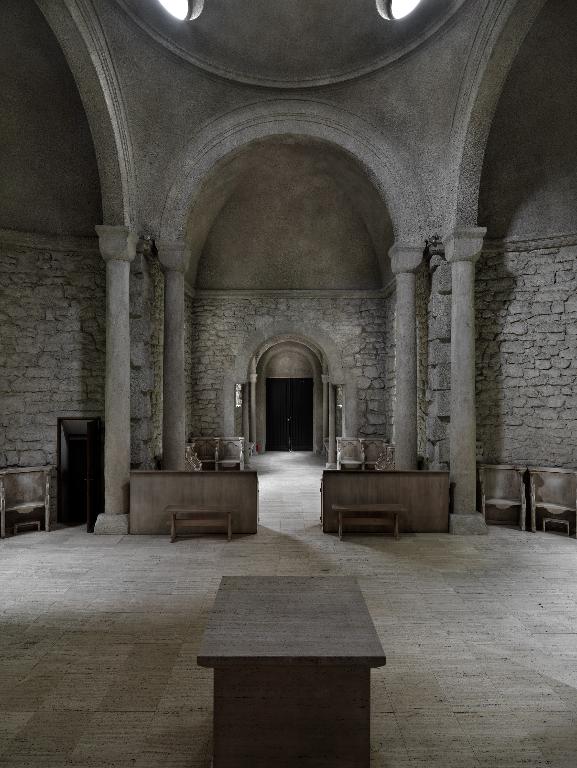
x=553 y=498
x=230 y=453
x=350 y=453
x=206 y=448
x=503 y=494
x=376 y=450
x=24 y=498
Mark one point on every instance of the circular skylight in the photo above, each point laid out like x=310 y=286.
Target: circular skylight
x=396 y=9
x=185 y=10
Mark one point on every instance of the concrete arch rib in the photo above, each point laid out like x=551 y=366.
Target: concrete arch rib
x=78 y=30
x=277 y=331
x=505 y=25
x=395 y=179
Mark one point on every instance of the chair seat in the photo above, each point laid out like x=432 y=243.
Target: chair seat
x=351 y=461
x=503 y=503
x=554 y=509
x=25 y=506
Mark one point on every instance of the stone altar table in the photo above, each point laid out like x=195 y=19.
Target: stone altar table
x=292 y=659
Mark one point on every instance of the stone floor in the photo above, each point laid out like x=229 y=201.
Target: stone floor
x=98 y=637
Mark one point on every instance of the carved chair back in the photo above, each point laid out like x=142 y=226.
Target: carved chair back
x=350 y=451
x=554 y=486
x=502 y=481
x=553 y=496
x=22 y=491
x=206 y=448
x=374 y=448
x=385 y=461
x=231 y=450
x=191 y=460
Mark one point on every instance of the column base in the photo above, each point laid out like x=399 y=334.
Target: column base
x=115 y=525
x=328 y=465
x=467 y=525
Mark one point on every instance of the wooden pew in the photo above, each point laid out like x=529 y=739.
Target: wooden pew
x=425 y=495
x=152 y=492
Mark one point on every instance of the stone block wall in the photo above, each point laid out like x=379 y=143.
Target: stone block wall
x=526 y=305
x=52 y=342
x=362 y=330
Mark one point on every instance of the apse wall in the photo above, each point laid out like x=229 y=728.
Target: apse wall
x=361 y=328
x=527 y=277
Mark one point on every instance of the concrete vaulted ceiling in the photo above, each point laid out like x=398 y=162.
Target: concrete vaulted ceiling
x=289 y=212
x=290 y=44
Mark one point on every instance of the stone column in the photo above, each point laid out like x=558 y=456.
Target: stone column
x=405 y=260
x=325 y=380
x=172 y=257
x=463 y=248
x=246 y=419
x=253 y=379
x=118 y=248
x=332 y=452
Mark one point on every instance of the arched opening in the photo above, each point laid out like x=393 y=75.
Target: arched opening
x=289 y=241
x=289 y=398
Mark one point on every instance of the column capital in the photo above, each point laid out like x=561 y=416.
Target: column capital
x=405 y=258
x=464 y=244
x=116 y=243
x=253 y=377
x=173 y=256
x=325 y=378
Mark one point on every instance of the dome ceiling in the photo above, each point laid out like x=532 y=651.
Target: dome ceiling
x=290 y=43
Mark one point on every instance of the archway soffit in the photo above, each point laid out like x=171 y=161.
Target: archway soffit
x=504 y=27
x=79 y=33
x=388 y=166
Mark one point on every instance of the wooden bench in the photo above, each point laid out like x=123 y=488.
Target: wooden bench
x=201 y=517
x=368 y=515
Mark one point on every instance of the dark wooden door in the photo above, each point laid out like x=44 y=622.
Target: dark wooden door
x=80 y=497
x=278 y=414
x=301 y=414
x=289 y=414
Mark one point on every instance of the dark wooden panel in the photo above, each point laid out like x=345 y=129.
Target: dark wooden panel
x=278 y=414
x=424 y=494
x=301 y=414
x=317 y=716
x=152 y=492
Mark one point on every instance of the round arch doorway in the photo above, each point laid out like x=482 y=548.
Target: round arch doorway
x=289 y=398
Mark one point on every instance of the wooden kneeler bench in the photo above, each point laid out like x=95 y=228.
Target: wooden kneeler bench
x=368 y=515
x=200 y=517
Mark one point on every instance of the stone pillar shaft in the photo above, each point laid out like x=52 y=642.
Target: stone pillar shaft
x=325 y=379
x=246 y=410
x=463 y=249
x=253 y=380
x=172 y=258
x=246 y=418
x=332 y=451
x=405 y=261
x=118 y=248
